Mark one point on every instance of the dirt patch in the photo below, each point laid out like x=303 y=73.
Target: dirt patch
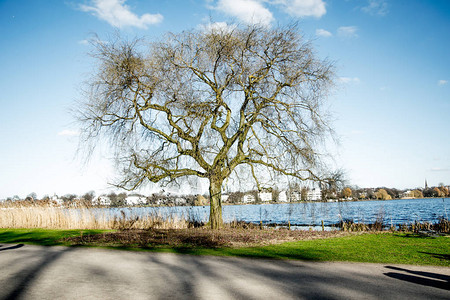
x=200 y=237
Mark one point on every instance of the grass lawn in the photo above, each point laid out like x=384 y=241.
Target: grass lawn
x=45 y=237
x=392 y=248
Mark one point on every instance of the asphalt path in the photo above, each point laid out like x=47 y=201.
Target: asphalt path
x=36 y=272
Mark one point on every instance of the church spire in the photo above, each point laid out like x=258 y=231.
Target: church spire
x=426 y=184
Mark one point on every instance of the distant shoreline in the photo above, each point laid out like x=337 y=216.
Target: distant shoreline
x=296 y=202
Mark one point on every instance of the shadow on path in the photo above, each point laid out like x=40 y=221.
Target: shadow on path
x=25 y=279
x=418 y=277
x=34 y=272
x=12 y=247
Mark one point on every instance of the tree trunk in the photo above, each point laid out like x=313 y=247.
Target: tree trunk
x=215 y=192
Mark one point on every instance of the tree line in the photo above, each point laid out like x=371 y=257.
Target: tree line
x=384 y=193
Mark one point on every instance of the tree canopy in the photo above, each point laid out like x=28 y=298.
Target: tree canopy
x=210 y=103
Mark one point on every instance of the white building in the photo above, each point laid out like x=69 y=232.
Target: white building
x=56 y=199
x=248 y=198
x=282 y=197
x=265 y=196
x=224 y=197
x=407 y=194
x=135 y=200
x=314 y=194
x=180 y=201
x=101 y=200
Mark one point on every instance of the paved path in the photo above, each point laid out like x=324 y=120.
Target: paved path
x=35 y=272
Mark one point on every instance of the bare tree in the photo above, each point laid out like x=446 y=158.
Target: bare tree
x=210 y=103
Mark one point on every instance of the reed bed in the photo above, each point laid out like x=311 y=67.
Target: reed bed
x=81 y=216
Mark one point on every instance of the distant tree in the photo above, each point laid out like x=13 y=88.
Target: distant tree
x=121 y=198
x=255 y=194
x=210 y=104
x=416 y=194
x=32 y=196
x=394 y=193
x=89 y=196
x=333 y=185
x=381 y=194
x=370 y=194
x=117 y=200
x=153 y=198
x=235 y=197
x=346 y=193
x=113 y=198
x=437 y=192
x=427 y=192
x=201 y=201
x=328 y=194
x=444 y=190
x=360 y=194
x=68 y=198
x=275 y=194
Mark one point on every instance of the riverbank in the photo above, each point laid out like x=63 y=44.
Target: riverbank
x=390 y=214
x=378 y=247
x=278 y=202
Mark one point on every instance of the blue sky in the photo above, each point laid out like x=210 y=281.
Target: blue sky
x=391 y=104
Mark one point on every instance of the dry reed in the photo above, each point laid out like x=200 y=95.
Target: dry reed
x=80 y=216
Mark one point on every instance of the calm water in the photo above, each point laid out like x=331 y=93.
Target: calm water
x=393 y=212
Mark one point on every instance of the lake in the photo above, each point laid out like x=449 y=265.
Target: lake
x=311 y=214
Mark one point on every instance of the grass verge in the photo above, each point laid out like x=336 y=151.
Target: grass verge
x=44 y=237
x=392 y=248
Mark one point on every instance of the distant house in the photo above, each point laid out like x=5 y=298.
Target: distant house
x=135 y=200
x=224 y=197
x=314 y=194
x=407 y=194
x=265 y=196
x=180 y=201
x=282 y=197
x=295 y=196
x=56 y=199
x=101 y=200
x=248 y=198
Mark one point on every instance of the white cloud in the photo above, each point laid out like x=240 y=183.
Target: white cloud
x=347 y=31
x=303 y=8
x=323 y=33
x=217 y=26
x=117 y=14
x=256 y=12
x=248 y=11
x=68 y=132
x=347 y=80
x=376 y=7
x=442 y=82
x=83 y=42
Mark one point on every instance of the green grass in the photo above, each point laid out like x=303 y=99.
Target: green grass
x=45 y=237
x=392 y=248
x=371 y=248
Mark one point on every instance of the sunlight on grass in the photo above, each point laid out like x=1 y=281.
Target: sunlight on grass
x=393 y=248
